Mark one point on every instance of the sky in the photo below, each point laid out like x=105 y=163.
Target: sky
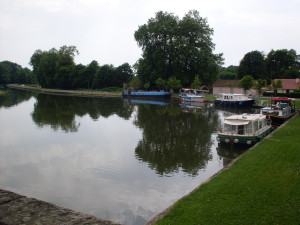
x=103 y=30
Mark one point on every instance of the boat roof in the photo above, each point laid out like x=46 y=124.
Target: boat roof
x=231 y=94
x=281 y=99
x=242 y=119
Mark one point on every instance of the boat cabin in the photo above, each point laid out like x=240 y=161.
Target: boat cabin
x=246 y=124
x=232 y=97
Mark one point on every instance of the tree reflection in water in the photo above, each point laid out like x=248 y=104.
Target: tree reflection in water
x=15 y=97
x=173 y=140
x=60 y=111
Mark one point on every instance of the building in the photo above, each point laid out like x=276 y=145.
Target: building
x=288 y=85
x=230 y=86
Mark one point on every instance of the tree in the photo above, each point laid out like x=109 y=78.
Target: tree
x=246 y=82
x=196 y=84
x=135 y=82
x=258 y=85
x=147 y=85
x=180 y=48
x=50 y=67
x=276 y=84
x=123 y=74
x=173 y=83
x=254 y=64
x=281 y=61
x=160 y=83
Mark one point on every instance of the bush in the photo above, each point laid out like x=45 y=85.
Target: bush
x=288 y=95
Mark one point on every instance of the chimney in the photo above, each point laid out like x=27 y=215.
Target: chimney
x=297 y=80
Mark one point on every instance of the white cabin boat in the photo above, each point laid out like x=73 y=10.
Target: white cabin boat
x=244 y=129
x=191 y=95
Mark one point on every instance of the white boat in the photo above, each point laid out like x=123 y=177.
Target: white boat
x=191 y=95
x=233 y=100
x=244 y=129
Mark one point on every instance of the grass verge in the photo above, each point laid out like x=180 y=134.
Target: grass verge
x=262 y=187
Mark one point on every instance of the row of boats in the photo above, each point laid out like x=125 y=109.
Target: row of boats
x=245 y=129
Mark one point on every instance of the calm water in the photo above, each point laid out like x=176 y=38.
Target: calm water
x=120 y=160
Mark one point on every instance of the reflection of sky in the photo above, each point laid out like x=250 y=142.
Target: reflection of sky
x=93 y=170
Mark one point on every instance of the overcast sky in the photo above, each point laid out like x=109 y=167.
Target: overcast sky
x=103 y=30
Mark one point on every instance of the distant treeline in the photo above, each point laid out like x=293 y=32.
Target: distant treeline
x=14 y=73
x=277 y=64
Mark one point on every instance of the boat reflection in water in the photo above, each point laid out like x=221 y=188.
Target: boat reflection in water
x=230 y=152
x=145 y=101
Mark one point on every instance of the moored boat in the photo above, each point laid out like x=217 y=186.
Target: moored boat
x=281 y=109
x=146 y=94
x=192 y=98
x=237 y=100
x=244 y=129
x=191 y=95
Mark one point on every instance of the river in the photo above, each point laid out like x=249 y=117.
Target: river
x=120 y=160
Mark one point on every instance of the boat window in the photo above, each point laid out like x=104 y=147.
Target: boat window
x=255 y=126
x=241 y=129
x=230 y=128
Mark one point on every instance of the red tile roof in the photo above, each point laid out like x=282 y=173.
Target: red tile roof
x=225 y=83
x=289 y=84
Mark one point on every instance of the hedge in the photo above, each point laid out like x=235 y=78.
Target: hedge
x=288 y=95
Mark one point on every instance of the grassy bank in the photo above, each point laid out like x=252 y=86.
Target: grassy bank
x=262 y=187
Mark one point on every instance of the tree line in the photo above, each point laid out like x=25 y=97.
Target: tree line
x=277 y=64
x=57 y=69
x=14 y=73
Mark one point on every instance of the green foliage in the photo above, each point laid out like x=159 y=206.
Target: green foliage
x=276 y=84
x=135 y=82
x=253 y=63
x=259 y=84
x=173 y=83
x=196 y=83
x=147 y=85
x=13 y=73
x=160 y=83
x=247 y=82
x=281 y=61
x=56 y=69
x=177 y=47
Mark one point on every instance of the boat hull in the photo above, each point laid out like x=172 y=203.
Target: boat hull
x=230 y=139
x=247 y=103
x=278 y=120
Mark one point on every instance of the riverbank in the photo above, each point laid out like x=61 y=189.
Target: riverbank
x=261 y=187
x=82 y=93
x=18 y=209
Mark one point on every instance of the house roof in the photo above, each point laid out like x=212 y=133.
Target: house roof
x=226 y=83
x=289 y=84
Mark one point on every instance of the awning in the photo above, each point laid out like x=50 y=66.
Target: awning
x=235 y=122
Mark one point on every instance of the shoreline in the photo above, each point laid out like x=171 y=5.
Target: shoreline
x=19 y=209
x=65 y=92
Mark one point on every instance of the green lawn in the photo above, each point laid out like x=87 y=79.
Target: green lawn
x=262 y=187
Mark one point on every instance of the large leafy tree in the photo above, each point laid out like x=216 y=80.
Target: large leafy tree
x=174 y=47
x=247 y=82
x=282 y=62
x=53 y=68
x=253 y=64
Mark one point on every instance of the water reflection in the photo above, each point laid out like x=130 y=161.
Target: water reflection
x=12 y=98
x=60 y=111
x=230 y=152
x=173 y=140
